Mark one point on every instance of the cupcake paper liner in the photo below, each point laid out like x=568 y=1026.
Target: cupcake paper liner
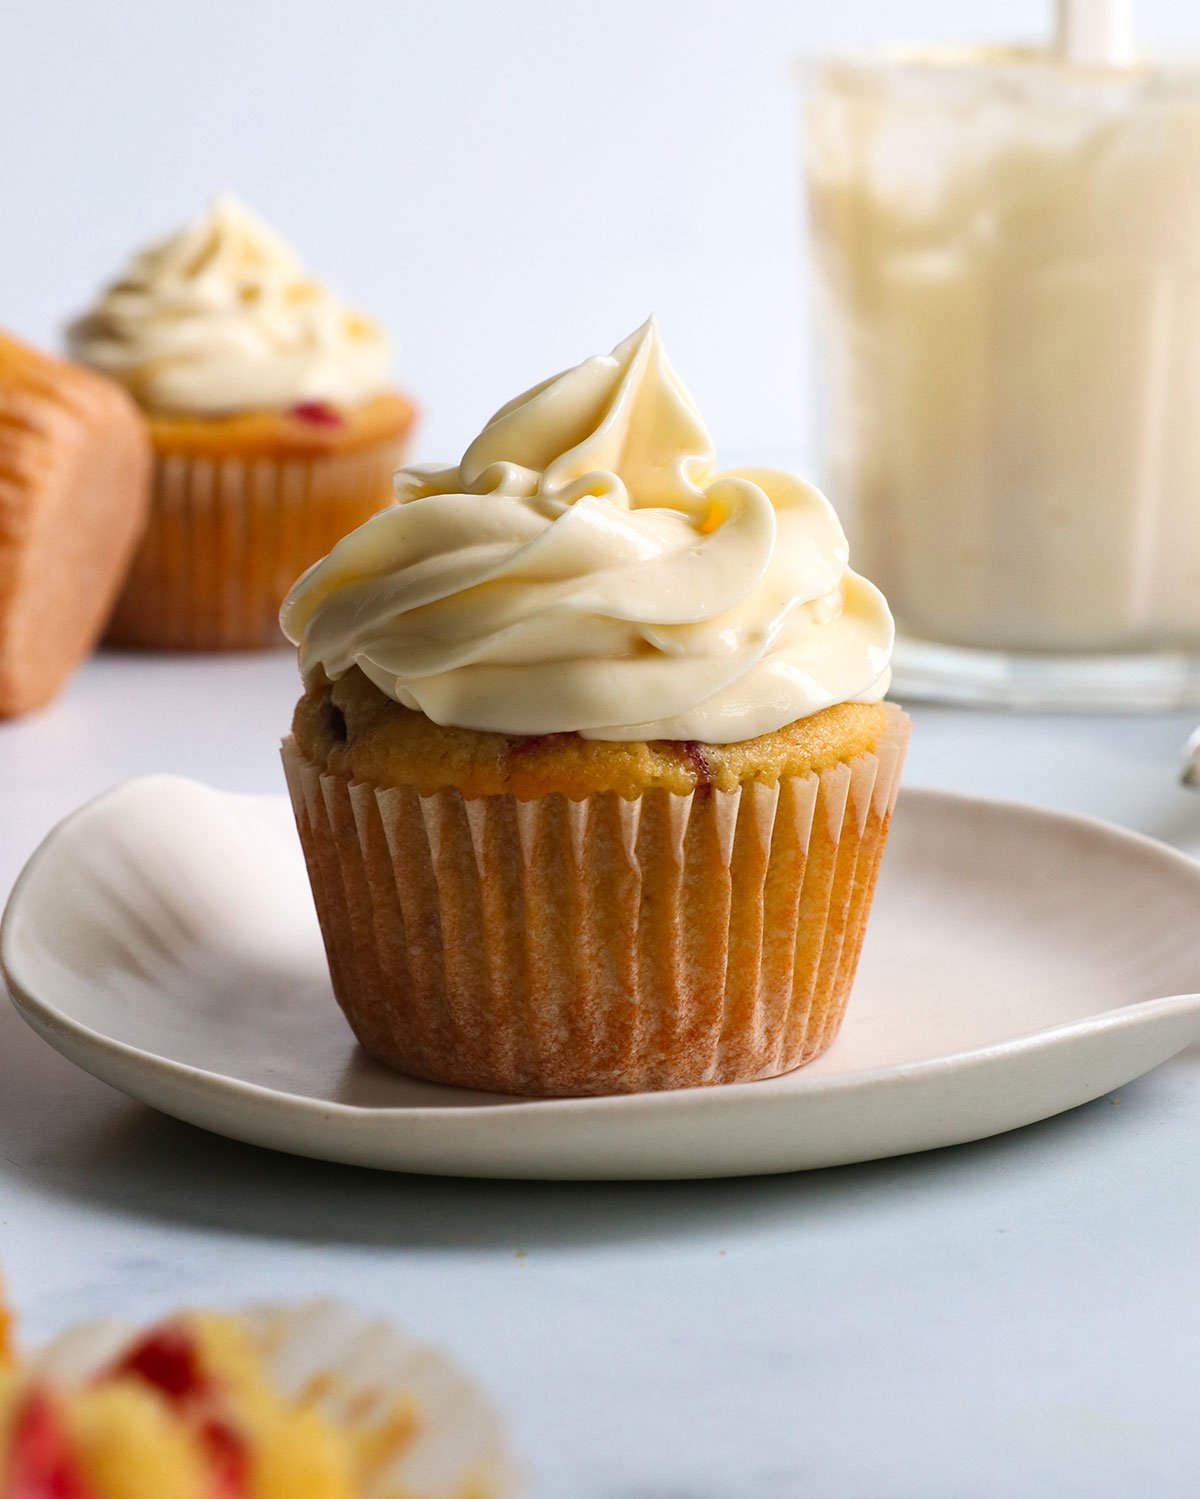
x=360 y=1372
x=227 y=538
x=605 y=945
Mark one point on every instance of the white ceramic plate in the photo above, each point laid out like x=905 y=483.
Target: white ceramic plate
x=1019 y=963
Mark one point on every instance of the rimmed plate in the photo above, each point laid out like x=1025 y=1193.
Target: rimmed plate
x=1019 y=962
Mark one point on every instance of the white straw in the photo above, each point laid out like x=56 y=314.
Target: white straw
x=1095 y=33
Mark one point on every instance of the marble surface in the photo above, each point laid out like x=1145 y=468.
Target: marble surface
x=1013 y=1317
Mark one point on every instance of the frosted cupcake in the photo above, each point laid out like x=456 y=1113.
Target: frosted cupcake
x=274 y=426
x=592 y=768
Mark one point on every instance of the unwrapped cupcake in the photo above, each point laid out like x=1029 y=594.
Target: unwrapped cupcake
x=274 y=425
x=592 y=768
x=314 y=1401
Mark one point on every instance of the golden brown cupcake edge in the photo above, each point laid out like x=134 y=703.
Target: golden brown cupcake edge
x=351 y=727
x=307 y=429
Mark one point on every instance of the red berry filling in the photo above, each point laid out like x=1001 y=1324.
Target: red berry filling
x=318 y=413
x=228 y=1457
x=168 y=1359
x=41 y=1465
x=691 y=749
x=534 y=743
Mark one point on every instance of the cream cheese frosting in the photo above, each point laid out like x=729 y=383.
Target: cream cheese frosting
x=222 y=317
x=585 y=568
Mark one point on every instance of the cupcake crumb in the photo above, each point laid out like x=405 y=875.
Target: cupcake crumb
x=350 y=726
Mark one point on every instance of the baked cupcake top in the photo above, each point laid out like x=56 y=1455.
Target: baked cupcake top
x=585 y=568
x=222 y=317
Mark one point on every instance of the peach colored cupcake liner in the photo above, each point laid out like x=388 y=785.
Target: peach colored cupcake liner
x=228 y=537
x=607 y=945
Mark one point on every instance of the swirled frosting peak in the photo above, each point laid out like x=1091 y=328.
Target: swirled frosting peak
x=585 y=568
x=222 y=317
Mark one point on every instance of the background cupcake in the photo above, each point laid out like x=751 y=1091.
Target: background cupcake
x=274 y=427
x=592 y=770
x=311 y=1401
x=74 y=487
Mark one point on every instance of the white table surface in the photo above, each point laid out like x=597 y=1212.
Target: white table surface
x=1014 y=1318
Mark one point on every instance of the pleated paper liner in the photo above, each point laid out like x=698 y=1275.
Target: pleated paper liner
x=433 y=1433
x=607 y=945
x=227 y=538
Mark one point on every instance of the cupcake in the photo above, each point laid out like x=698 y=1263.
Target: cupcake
x=306 y=1402
x=74 y=489
x=275 y=431
x=592 y=769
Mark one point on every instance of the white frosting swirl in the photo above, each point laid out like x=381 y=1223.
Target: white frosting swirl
x=222 y=318
x=585 y=569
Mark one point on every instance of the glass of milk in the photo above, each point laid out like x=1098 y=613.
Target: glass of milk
x=1007 y=257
